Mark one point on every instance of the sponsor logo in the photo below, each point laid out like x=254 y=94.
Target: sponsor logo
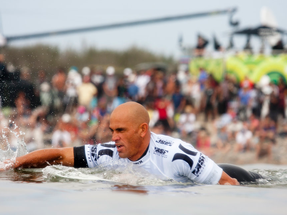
x=160 y=152
x=200 y=166
x=93 y=154
x=164 y=142
x=139 y=162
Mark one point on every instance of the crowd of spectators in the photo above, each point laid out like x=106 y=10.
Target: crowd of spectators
x=73 y=108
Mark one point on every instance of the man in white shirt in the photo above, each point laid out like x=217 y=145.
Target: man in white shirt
x=132 y=142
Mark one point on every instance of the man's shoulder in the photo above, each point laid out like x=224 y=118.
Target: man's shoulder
x=165 y=142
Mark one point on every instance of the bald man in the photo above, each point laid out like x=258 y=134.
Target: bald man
x=134 y=143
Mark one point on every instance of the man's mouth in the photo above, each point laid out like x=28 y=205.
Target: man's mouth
x=119 y=147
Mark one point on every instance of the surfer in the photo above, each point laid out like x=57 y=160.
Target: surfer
x=133 y=142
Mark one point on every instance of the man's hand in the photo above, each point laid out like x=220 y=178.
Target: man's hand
x=233 y=182
x=227 y=180
x=7 y=164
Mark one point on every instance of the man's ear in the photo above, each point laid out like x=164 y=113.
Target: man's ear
x=143 y=129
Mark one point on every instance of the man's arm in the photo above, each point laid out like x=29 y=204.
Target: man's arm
x=227 y=180
x=42 y=158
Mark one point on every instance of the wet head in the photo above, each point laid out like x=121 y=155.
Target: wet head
x=130 y=131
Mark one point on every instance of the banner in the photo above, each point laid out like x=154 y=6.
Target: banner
x=242 y=65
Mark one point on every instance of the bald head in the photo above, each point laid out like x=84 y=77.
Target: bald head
x=129 y=124
x=131 y=111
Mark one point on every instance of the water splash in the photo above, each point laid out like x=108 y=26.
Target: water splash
x=9 y=151
x=122 y=175
x=130 y=176
x=273 y=177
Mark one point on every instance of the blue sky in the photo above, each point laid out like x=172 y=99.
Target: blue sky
x=31 y=16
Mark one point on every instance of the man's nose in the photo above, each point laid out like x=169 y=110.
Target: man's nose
x=115 y=137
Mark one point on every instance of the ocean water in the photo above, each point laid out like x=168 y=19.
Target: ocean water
x=66 y=190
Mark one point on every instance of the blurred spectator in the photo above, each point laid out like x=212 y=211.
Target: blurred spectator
x=34 y=130
x=246 y=83
x=61 y=137
x=82 y=114
x=4 y=78
x=86 y=91
x=268 y=126
x=191 y=90
x=141 y=82
x=254 y=123
x=133 y=89
x=282 y=98
x=87 y=133
x=40 y=80
x=110 y=84
x=171 y=84
x=156 y=85
x=244 y=99
x=226 y=119
x=283 y=131
x=59 y=81
x=74 y=80
x=46 y=96
x=158 y=128
x=98 y=79
x=178 y=100
x=200 y=47
x=153 y=114
x=264 y=146
x=165 y=112
x=273 y=107
x=121 y=88
x=208 y=101
x=203 y=142
x=221 y=100
x=187 y=122
x=103 y=133
x=100 y=111
x=256 y=97
x=223 y=139
x=203 y=76
x=243 y=139
x=22 y=105
x=26 y=86
x=233 y=88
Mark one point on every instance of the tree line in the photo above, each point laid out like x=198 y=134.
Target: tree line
x=50 y=58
